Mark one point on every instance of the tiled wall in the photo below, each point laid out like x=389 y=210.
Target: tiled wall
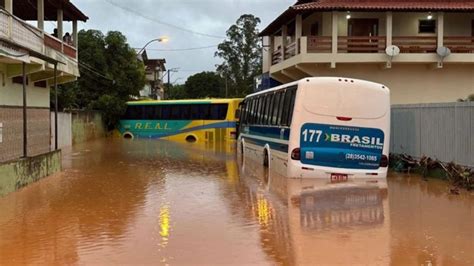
x=11 y=118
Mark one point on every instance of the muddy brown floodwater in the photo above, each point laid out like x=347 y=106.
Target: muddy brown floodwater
x=151 y=202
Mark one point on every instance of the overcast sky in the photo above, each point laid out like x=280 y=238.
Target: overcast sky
x=212 y=17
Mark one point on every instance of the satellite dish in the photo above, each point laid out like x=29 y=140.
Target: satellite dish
x=443 y=51
x=392 y=50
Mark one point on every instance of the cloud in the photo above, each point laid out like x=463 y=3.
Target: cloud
x=212 y=17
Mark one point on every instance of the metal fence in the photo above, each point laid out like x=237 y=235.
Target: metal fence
x=442 y=131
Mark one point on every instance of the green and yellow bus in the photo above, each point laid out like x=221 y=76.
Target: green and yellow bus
x=202 y=120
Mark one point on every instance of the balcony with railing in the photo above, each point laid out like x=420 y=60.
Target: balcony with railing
x=314 y=45
x=19 y=32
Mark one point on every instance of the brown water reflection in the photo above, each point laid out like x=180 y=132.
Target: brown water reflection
x=149 y=202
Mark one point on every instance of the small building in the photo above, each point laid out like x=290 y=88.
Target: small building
x=422 y=50
x=31 y=63
x=155 y=70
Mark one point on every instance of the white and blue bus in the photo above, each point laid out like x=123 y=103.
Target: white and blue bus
x=325 y=127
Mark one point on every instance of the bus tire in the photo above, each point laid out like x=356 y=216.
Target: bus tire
x=191 y=139
x=266 y=159
x=128 y=135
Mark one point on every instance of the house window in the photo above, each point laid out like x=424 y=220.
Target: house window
x=2 y=3
x=427 y=26
x=314 y=29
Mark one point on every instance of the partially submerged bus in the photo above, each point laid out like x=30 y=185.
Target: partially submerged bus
x=181 y=120
x=334 y=128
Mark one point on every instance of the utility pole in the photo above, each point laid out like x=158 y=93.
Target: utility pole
x=169 y=82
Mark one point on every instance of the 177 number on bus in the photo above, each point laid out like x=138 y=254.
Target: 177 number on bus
x=312 y=135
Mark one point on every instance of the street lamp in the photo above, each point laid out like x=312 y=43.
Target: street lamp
x=161 y=39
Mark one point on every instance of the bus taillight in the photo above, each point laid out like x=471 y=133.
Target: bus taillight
x=233 y=135
x=342 y=118
x=296 y=154
x=384 y=161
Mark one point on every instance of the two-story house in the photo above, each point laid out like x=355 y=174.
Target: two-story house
x=423 y=50
x=154 y=70
x=31 y=63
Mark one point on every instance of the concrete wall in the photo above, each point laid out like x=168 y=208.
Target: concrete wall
x=19 y=173
x=441 y=131
x=412 y=83
x=87 y=126
x=64 y=130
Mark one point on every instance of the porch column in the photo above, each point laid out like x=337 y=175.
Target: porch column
x=9 y=5
x=389 y=28
x=40 y=12
x=9 y=8
x=74 y=33
x=440 y=29
x=284 y=34
x=271 y=49
x=298 y=31
x=56 y=106
x=60 y=24
x=335 y=31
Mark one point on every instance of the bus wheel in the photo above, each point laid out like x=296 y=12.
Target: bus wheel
x=191 y=139
x=266 y=159
x=128 y=136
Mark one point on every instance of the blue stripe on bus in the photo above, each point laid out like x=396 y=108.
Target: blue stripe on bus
x=269 y=132
x=273 y=145
x=186 y=130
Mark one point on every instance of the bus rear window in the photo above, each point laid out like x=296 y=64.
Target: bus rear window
x=363 y=102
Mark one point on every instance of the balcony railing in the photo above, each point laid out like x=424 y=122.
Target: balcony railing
x=18 y=31
x=319 y=44
x=373 y=44
x=416 y=44
x=369 y=44
x=460 y=44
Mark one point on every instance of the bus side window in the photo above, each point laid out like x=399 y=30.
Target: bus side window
x=157 y=112
x=251 y=111
x=286 y=108
x=165 y=112
x=268 y=108
x=185 y=112
x=195 y=114
x=276 y=106
x=281 y=96
x=205 y=112
x=292 y=106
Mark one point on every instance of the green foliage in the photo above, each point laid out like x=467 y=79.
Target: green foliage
x=112 y=108
x=205 y=85
x=177 y=92
x=242 y=55
x=110 y=74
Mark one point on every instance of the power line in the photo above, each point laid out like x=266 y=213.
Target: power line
x=161 y=22
x=183 y=49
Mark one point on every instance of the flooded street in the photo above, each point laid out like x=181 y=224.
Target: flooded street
x=158 y=202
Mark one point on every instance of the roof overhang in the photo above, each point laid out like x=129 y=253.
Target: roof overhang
x=27 y=10
x=302 y=7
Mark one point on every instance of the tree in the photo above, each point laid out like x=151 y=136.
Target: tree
x=110 y=75
x=205 y=84
x=242 y=55
x=176 y=92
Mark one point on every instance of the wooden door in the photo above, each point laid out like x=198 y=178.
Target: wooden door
x=362 y=27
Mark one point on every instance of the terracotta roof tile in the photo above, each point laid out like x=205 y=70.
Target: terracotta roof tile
x=400 y=5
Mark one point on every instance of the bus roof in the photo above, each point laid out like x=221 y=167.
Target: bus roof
x=310 y=79
x=187 y=101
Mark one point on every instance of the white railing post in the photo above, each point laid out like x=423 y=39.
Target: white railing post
x=335 y=31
